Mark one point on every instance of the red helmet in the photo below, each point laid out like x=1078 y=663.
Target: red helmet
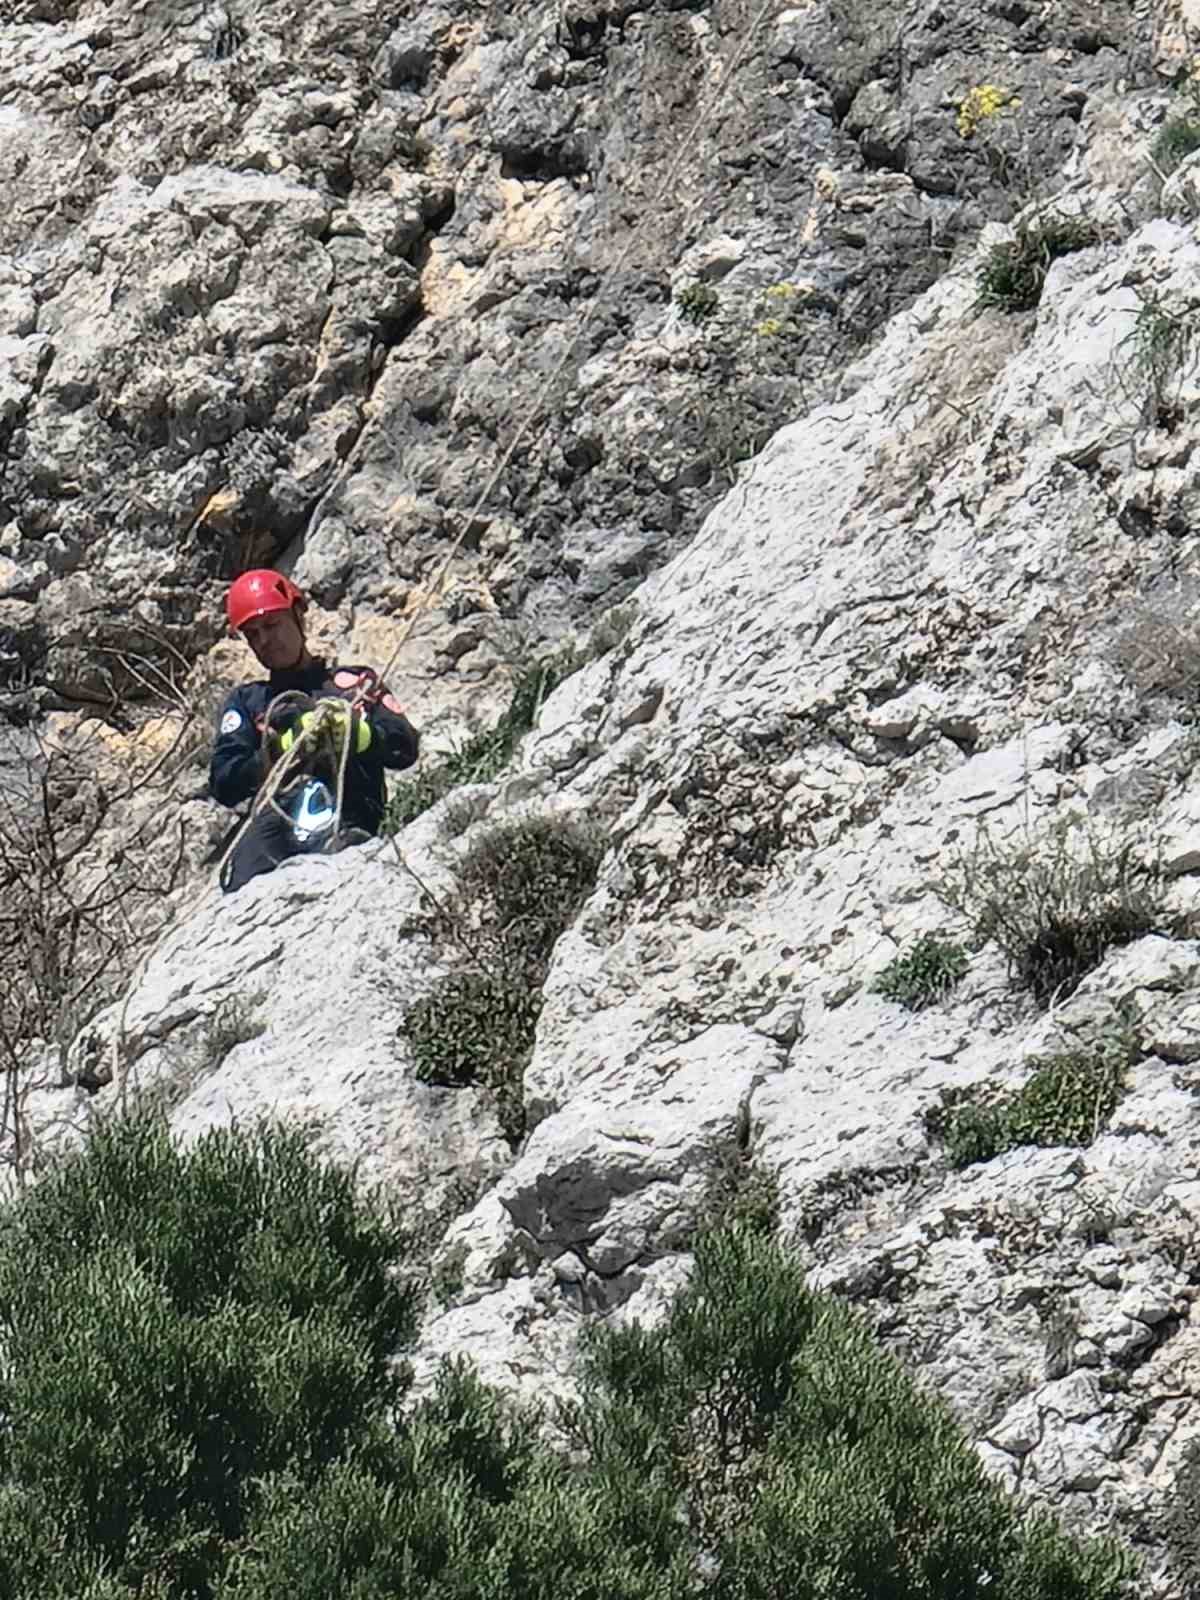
x=255 y=593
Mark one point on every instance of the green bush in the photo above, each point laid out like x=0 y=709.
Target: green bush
x=478 y=1028
x=526 y=880
x=177 y=1327
x=923 y=975
x=756 y=1445
x=1068 y=1100
x=1176 y=139
x=1055 y=903
x=1162 y=348
x=212 y=1416
x=1013 y=273
x=486 y=754
x=521 y=886
x=698 y=301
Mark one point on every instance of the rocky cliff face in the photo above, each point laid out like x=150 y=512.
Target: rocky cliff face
x=285 y=281
x=934 y=641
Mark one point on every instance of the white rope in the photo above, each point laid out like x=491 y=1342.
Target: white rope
x=608 y=282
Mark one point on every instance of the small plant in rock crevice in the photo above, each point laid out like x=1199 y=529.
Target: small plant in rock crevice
x=1179 y=136
x=1068 y=1100
x=754 y=364
x=1176 y=140
x=1060 y=1334
x=520 y=886
x=1158 y=646
x=697 y=301
x=1162 y=350
x=421 y=1229
x=924 y=974
x=485 y=754
x=739 y=1192
x=611 y=628
x=1014 y=272
x=1055 y=903
x=980 y=104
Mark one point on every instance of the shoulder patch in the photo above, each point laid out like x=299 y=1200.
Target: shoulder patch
x=231 y=721
x=392 y=704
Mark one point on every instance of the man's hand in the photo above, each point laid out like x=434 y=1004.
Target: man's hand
x=329 y=721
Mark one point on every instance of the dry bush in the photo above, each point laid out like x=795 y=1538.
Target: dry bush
x=1056 y=902
x=72 y=924
x=92 y=847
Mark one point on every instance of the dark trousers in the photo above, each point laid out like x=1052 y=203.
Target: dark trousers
x=266 y=842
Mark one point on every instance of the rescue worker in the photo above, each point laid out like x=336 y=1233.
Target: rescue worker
x=267 y=610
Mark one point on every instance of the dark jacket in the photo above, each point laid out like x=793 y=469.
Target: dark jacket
x=239 y=763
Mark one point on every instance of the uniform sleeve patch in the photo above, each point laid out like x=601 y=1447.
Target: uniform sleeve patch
x=392 y=704
x=231 y=722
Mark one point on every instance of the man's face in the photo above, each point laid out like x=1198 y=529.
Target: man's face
x=277 y=639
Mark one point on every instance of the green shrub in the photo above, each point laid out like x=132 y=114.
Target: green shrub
x=755 y=1445
x=1176 y=139
x=521 y=886
x=418 y=1515
x=1069 y=1099
x=526 y=880
x=1054 y=904
x=478 y=1028
x=1162 y=348
x=177 y=1327
x=800 y=1458
x=923 y=975
x=697 y=301
x=486 y=754
x=236 y=1438
x=739 y=1192
x=1013 y=273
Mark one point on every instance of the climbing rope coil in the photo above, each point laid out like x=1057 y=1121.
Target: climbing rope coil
x=309 y=732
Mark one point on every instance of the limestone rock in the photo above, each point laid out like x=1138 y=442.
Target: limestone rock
x=312 y=281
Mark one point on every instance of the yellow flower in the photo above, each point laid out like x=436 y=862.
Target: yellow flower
x=983 y=101
x=769 y=328
x=782 y=291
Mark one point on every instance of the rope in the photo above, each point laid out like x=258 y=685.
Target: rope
x=284 y=768
x=328 y=710
x=607 y=284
